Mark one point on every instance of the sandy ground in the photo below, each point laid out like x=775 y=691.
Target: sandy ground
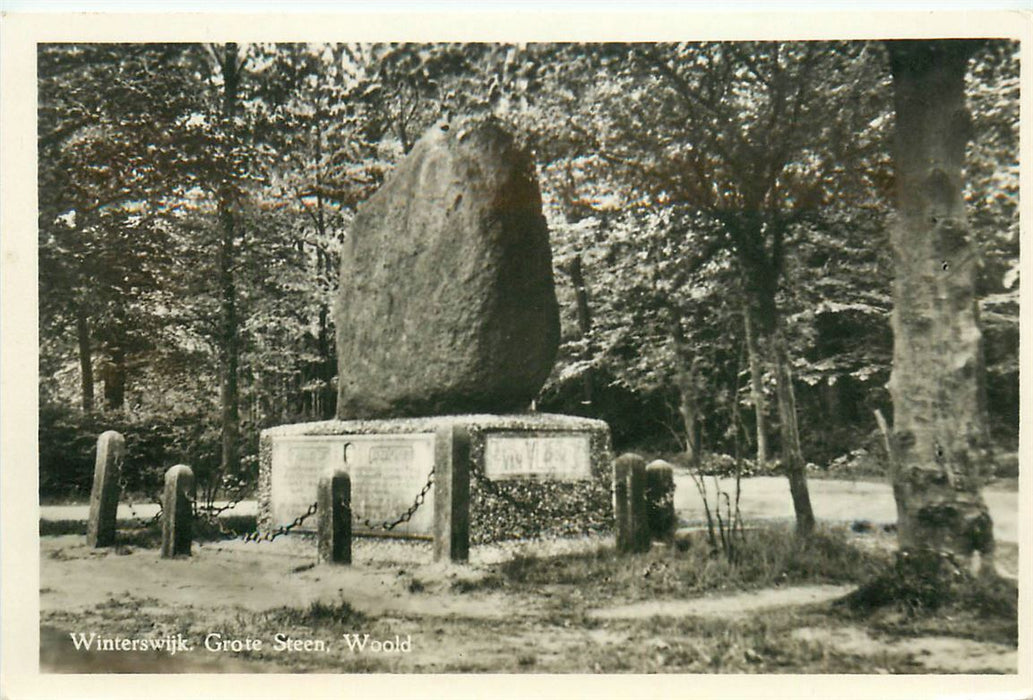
x=224 y=586
x=739 y=605
x=396 y=583
x=960 y=655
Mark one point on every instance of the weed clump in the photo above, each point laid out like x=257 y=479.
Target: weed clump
x=927 y=592
x=764 y=557
x=318 y=614
x=928 y=581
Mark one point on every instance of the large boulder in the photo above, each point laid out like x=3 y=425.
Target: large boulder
x=446 y=301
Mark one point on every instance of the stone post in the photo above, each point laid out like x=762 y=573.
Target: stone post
x=452 y=494
x=177 y=512
x=660 y=500
x=111 y=452
x=334 y=518
x=629 y=503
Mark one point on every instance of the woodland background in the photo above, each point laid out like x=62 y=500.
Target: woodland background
x=719 y=214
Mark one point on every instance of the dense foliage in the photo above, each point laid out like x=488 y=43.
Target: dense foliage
x=193 y=199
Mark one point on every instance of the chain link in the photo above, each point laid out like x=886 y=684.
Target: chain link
x=211 y=516
x=256 y=536
x=405 y=517
x=123 y=489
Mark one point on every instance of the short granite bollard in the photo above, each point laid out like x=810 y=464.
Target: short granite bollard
x=111 y=452
x=660 y=500
x=177 y=512
x=334 y=518
x=452 y=494
x=629 y=501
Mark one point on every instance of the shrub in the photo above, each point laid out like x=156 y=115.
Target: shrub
x=154 y=442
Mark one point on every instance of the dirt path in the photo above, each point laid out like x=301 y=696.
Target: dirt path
x=391 y=577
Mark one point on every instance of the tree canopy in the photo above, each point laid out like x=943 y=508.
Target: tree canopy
x=718 y=212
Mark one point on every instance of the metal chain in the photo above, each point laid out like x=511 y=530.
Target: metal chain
x=405 y=517
x=123 y=489
x=211 y=515
x=256 y=536
x=232 y=502
x=211 y=510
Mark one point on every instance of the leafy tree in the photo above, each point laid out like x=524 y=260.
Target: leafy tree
x=107 y=163
x=755 y=138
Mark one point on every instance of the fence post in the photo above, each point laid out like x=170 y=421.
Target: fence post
x=638 y=508
x=111 y=451
x=177 y=512
x=629 y=503
x=334 y=518
x=660 y=500
x=452 y=494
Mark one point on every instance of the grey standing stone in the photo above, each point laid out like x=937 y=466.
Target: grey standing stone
x=111 y=452
x=638 y=507
x=629 y=503
x=660 y=500
x=451 y=494
x=446 y=301
x=177 y=512
x=334 y=518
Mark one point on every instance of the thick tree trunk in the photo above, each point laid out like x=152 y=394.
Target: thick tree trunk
x=757 y=391
x=940 y=446
x=228 y=346
x=82 y=330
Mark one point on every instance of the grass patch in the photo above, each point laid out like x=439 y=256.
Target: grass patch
x=317 y=615
x=55 y=528
x=765 y=557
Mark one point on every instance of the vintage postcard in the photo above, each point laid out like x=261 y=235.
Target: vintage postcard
x=618 y=352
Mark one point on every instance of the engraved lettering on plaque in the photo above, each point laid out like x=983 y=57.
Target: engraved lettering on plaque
x=387 y=472
x=545 y=457
x=294 y=482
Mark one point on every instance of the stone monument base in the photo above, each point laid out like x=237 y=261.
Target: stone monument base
x=506 y=475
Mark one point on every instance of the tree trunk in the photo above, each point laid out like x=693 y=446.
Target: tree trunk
x=114 y=375
x=757 y=391
x=327 y=365
x=328 y=359
x=687 y=407
x=584 y=319
x=228 y=345
x=82 y=329
x=761 y=266
x=686 y=382
x=789 y=431
x=940 y=446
